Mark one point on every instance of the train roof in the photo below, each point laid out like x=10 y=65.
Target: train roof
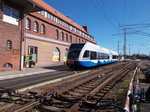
x=97 y=46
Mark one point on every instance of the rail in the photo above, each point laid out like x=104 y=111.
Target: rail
x=52 y=98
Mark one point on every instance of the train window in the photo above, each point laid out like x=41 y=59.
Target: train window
x=73 y=54
x=86 y=54
x=107 y=56
x=93 y=55
x=104 y=56
x=99 y=55
x=115 y=56
x=76 y=46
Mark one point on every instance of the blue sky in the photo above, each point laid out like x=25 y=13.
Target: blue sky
x=103 y=18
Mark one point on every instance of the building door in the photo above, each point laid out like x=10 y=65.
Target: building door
x=31 y=58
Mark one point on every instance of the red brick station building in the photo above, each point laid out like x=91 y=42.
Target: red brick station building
x=31 y=31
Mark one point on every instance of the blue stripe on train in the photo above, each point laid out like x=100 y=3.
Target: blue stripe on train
x=87 y=63
x=91 y=64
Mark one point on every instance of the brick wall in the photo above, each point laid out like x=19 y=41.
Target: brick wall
x=12 y=33
x=50 y=30
x=45 y=51
x=9 y=32
x=0 y=9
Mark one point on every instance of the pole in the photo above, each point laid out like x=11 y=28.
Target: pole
x=125 y=43
x=129 y=49
x=119 y=48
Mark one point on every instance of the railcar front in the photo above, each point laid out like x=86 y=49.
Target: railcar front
x=74 y=54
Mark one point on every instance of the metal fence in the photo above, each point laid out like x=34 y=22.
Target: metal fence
x=133 y=95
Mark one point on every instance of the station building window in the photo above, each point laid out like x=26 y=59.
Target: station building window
x=28 y=24
x=10 y=15
x=42 y=29
x=62 y=35
x=57 y=34
x=56 y=54
x=43 y=13
x=32 y=50
x=8 y=45
x=36 y=26
x=7 y=65
x=70 y=38
x=66 y=37
x=65 y=54
x=79 y=40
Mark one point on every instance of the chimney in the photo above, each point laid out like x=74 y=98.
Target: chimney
x=85 y=28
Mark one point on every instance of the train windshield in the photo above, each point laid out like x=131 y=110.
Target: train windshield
x=74 y=50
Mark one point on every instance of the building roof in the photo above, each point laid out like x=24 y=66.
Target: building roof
x=50 y=9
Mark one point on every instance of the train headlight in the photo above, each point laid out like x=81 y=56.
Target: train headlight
x=70 y=62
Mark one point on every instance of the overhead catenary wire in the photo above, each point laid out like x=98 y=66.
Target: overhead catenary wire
x=100 y=10
x=130 y=30
x=112 y=13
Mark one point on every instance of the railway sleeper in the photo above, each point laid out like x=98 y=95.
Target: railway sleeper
x=81 y=91
x=69 y=96
x=91 y=86
x=66 y=99
x=75 y=94
x=61 y=104
x=85 y=89
x=50 y=109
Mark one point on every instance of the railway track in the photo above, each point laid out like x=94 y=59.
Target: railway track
x=76 y=97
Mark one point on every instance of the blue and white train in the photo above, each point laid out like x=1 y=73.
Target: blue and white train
x=89 y=55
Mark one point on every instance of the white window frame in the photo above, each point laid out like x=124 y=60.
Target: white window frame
x=57 y=34
x=42 y=29
x=35 y=26
x=28 y=23
x=8 y=44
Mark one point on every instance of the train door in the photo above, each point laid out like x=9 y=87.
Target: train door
x=110 y=56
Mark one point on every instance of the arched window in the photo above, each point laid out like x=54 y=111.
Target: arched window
x=36 y=26
x=79 y=40
x=28 y=24
x=65 y=54
x=66 y=37
x=7 y=65
x=57 y=34
x=56 y=54
x=43 y=29
x=70 y=38
x=62 y=35
x=8 y=44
